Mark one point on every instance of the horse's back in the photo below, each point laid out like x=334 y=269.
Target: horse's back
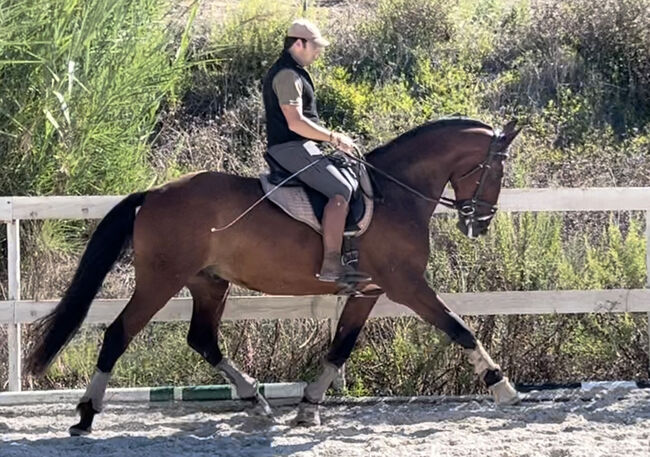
x=202 y=220
x=210 y=184
x=190 y=206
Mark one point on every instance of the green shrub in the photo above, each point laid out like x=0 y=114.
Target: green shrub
x=385 y=37
x=237 y=54
x=377 y=114
x=601 y=53
x=530 y=252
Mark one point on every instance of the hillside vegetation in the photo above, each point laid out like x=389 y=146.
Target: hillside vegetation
x=109 y=97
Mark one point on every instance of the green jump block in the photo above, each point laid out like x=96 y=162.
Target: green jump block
x=206 y=393
x=161 y=394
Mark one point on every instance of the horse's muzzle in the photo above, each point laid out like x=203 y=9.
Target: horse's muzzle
x=473 y=226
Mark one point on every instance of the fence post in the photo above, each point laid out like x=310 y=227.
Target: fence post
x=647 y=272
x=339 y=382
x=13 y=330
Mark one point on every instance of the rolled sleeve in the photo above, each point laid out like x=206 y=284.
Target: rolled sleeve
x=287 y=86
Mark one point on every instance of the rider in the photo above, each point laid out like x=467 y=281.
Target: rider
x=293 y=128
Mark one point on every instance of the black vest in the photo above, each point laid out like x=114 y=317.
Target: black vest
x=277 y=129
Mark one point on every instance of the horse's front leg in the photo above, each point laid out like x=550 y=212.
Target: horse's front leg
x=426 y=303
x=354 y=316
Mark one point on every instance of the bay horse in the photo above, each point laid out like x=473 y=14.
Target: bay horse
x=175 y=246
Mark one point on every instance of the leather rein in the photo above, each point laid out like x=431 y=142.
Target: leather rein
x=466 y=208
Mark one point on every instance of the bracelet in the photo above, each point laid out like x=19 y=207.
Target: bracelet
x=331 y=140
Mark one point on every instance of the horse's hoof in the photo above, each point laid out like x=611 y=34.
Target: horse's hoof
x=87 y=413
x=259 y=406
x=308 y=415
x=77 y=430
x=504 y=393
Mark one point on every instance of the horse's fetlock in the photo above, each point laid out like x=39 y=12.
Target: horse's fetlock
x=491 y=377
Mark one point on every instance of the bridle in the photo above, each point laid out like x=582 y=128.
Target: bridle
x=467 y=209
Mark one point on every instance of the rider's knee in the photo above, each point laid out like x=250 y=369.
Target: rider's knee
x=347 y=192
x=341 y=198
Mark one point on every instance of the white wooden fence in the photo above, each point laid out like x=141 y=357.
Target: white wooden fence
x=14 y=311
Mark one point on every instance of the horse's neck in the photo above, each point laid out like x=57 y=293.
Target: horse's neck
x=424 y=172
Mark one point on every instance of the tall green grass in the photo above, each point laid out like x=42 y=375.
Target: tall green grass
x=82 y=82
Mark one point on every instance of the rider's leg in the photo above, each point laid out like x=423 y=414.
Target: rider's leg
x=334 y=216
x=324 y=177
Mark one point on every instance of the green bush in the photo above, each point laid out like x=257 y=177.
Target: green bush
x=376 y=114
x=386 y=36
x=237 y=54
x=530 y=252
x=600 y=52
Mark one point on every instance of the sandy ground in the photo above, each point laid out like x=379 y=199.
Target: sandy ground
x=608 y=424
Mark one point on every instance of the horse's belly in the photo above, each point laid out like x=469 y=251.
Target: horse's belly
x=280 y=265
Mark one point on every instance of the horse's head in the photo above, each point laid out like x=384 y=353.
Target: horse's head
x=477 y=186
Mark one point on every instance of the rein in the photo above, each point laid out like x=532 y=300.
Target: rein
x=448 y=202
x=466 y=208
x=460 y=205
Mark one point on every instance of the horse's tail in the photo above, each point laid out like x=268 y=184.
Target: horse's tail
x=54 y=331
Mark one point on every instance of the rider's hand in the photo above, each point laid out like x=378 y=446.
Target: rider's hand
x=342 y=142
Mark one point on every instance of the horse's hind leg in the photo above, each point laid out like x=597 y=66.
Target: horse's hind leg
x=354 y=316
x=209 y=295
x=426 y=303
x=151 y=294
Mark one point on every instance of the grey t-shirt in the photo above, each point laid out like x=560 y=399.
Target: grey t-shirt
x=287 y=85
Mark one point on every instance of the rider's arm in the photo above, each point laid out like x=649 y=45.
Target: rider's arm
x=287 y=86
x=303 y=126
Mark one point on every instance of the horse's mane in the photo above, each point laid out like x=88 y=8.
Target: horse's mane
x=433 y=125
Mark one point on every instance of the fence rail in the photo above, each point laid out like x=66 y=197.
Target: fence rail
x=14 y=311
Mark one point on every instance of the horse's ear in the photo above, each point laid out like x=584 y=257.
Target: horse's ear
x=510 y=131
x=510 y=126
